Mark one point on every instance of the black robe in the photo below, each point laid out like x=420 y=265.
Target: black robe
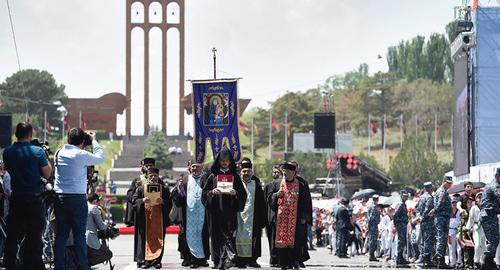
x=271 y=221
x=303 y=212
x=181 y=202
x=259 y=218
x=129 y=210
x=140 y=221
x=304 y=252
x=222 y=211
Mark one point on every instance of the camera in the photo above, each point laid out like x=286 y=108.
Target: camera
x=48 y=194
x=87 y=141
x=111 y=232
x=44 y=145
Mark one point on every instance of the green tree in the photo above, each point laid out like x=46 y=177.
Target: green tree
x=311 y=165
x=425 y=99
x=33 y=91
x=157 y=148
x=416 y=160
x=416 y=59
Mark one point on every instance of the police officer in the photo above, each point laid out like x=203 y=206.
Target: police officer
x=343 y=226
x=425 y=206
x=442 y=213
x=373 y=221
x=401 y=222
x=490 y=208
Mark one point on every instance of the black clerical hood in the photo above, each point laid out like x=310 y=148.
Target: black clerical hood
x=225 y=153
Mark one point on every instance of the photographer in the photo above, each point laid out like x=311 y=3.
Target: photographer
x=70 y=184
x=96 y=252
x=26 y=165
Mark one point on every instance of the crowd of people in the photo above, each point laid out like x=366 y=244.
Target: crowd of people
x=222 y=209
x=442 y=231
x=39 y=197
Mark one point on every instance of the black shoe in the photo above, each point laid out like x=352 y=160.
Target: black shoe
x=203 y=263
x=140 y=264
x=254 y=264
x=373 y=259
x=158 y=266
x=296 y=266
x=194 y=265
x=402 y=262
x=302 y=265
x=185 y=263
x=442 y=265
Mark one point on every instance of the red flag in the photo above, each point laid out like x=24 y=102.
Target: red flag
x=474 y=5
x=48 y=128
x=275 y=125
x=373 y=126
x=244 y=126
x=255 y=127
x=66 y=122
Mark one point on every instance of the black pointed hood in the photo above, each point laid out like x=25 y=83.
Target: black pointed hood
x=224 y=153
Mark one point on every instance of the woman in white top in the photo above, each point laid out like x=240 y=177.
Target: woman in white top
x=476 y=230
x=455 y=252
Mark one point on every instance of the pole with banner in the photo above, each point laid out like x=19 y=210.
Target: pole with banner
x=45 y=126
x=251 y=146
x=270 y=154
x=286 y=131
x=216 y=113
x=369 y=132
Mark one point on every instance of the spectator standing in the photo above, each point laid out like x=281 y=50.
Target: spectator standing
x=26 y=165
x=71 y=209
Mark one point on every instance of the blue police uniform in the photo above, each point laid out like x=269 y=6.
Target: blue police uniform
x=401 y=223
x=373 y=221
x=442 y=213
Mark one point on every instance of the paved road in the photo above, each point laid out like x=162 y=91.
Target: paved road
x=122 y=248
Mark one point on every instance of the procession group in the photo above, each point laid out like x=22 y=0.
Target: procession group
x=462 y=227
x=221 y=210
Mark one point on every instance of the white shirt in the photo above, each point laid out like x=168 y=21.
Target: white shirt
x=71 y=168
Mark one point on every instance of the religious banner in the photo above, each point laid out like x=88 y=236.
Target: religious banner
x=216 y=110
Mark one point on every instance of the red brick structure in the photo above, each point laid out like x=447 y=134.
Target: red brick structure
x=97 y=113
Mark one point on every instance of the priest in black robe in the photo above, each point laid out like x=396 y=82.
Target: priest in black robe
x=289 y=201
x=193 y=236
x=304 y=251
x=145 y=164
x=223 y=204
x=271 y=215
x=251 y=220
x=151 y=220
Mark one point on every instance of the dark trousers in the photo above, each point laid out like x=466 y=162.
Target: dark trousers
x=288 y=257
x=25 y=221
x=71 y=215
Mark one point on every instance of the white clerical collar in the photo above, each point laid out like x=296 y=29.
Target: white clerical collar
x=224 y=170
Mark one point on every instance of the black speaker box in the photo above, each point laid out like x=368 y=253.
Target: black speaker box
x=5 y=129
x=324 y=130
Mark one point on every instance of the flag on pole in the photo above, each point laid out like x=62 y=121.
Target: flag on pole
x=66 y=123
x=255 y=127
x=48 y=128
x=275 y=125
x=374 y=127
x=244 y=126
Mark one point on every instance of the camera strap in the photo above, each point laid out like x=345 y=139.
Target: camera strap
x=56 y=157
